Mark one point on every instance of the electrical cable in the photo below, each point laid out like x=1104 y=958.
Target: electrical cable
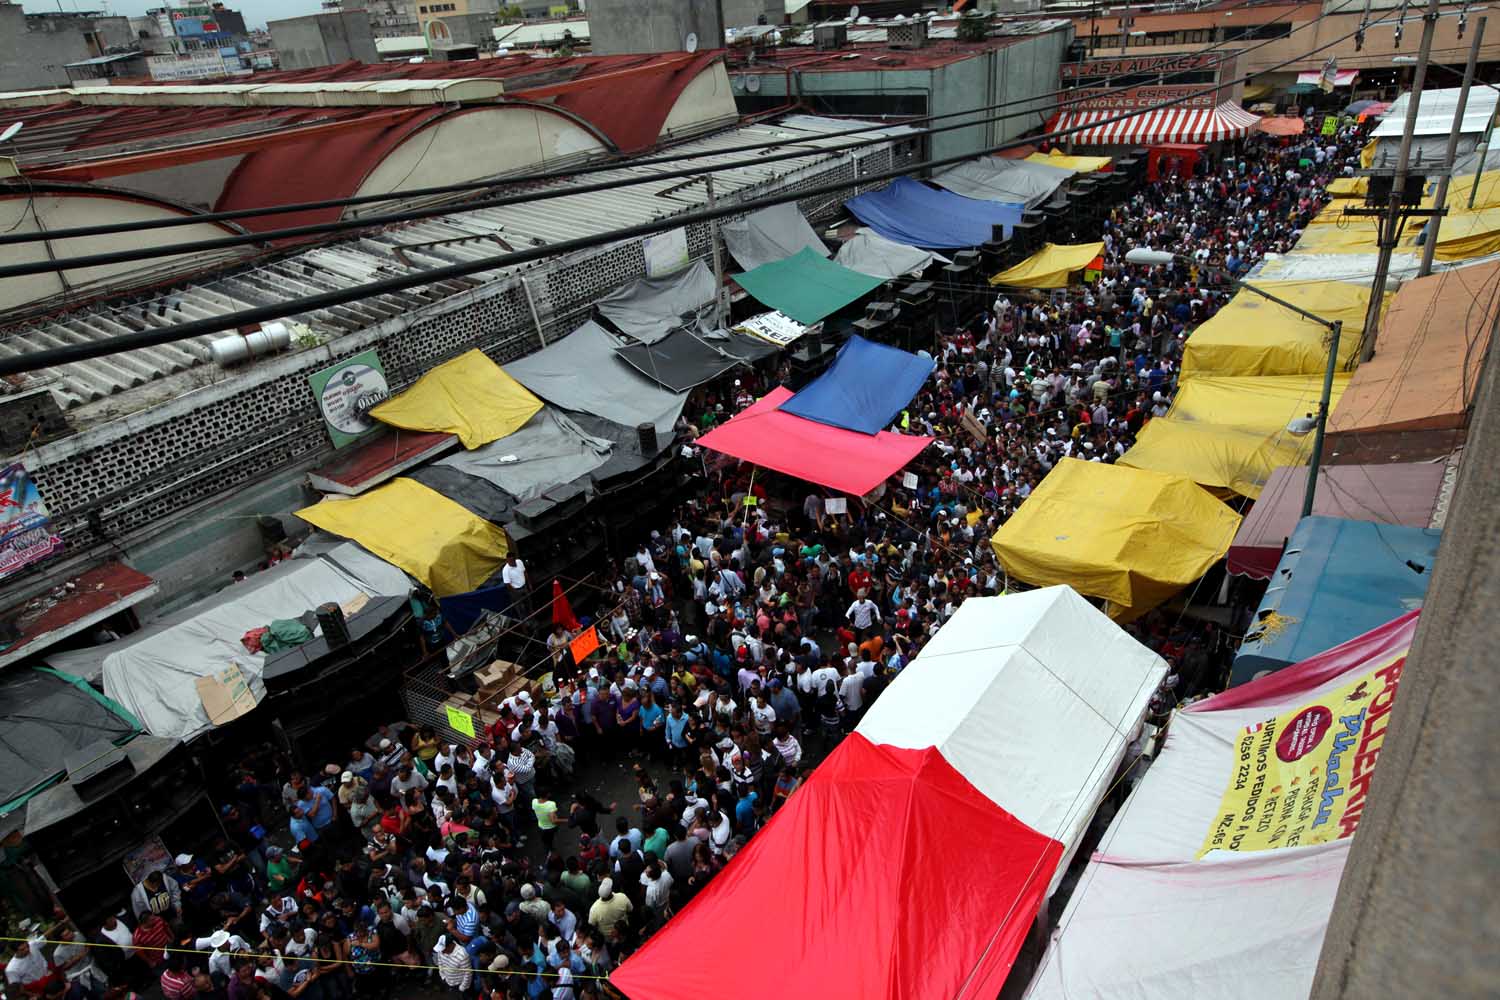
x=623 y=162
x=185 y=331
x=411 y=215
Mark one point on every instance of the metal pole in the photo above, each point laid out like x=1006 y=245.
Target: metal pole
x=1391 y=222
x=535 y=316
x=713 y=242
x=1322 y=430
x=1483 y=151
x=1430 y=246
x=1282 y=302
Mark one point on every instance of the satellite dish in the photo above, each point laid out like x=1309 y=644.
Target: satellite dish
x=854 y=12
x=10 y=132
x=739 y=83
x=690 y=43
x=864 y=20
x=753 y=84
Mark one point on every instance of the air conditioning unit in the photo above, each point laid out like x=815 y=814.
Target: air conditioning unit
x=908 y=35
x=827 y=37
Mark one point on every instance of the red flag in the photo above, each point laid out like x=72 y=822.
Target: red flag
x=562 y=611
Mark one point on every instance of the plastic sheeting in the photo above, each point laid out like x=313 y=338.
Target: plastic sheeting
x=1010 y=691
x=1358 y=268
x=549 y=451
x=1129 y=536
x=806 y=287
x=1233 y=925
x=651 y=308
x=45 y=717
x=1468 y=234
x=469 y=396
x=1435 y=112
x=769 y=235
x=1077 y=164
x=412 y=526
x=850 y=858
x=153 y=673
x=1003 y=730
x=686 y=358
x=847 y=461
x=864 y=388
x=991 y=178
x=1230 y=433
x=908 y=211
x=1252 y=335
x=1337 y=578
x=581 y=372
x=1405 y=493
x=1050 y=267
x=870 y=253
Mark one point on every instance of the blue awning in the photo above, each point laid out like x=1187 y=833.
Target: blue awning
x=864 y=388
x=910 y=212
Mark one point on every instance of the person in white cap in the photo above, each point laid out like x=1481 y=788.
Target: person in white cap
x=220 y=945
x=611 y=907
x=453 y=963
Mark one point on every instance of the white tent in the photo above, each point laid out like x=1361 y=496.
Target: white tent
x=870 y=253
x=154 y=673
x=1033 y=698
x=992 y=178
x=770 y=234
x=1161 y=914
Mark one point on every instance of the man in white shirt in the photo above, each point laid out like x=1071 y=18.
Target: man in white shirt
x=513 y=575
x=863 y=614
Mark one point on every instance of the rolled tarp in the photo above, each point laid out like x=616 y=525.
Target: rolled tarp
x=870 y=253
x=806 y=287
x=1129 y=536
x=651 y=308
x=864 y=388
x=769 y=235
x=1050 y=267
x=423 y=532
x=908 y=211
x=991 y=178
x=469 y=396
x=1252 y=335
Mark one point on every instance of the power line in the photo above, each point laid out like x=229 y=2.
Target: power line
x=616 y=164
x=198 y=328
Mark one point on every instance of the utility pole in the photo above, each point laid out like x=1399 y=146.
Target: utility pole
x=1390 y=222
x=1430 y=247
x=713 y=241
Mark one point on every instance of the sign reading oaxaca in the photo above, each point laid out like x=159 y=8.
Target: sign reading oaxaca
x=346 y=392
x=1302 y=777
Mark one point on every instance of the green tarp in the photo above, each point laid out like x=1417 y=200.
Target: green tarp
x=805 y=286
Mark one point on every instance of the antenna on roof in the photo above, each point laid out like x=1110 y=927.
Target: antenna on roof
x=690 y=43
x=854 y=13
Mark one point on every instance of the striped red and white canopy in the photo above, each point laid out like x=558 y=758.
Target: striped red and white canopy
x=1227 y=121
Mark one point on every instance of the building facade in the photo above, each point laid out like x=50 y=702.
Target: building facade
x=36 y=49
x=325 y=39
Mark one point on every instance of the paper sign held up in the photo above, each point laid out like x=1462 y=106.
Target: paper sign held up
x=585 y=643
x=909 y=480
x=835 y=505
x=460 y=722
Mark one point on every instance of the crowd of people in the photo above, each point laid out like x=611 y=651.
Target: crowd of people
x=742 y=641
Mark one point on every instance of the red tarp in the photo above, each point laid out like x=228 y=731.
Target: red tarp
x=899 y=881
x=1282 y=125
x=1404 y=494
x=842 y=460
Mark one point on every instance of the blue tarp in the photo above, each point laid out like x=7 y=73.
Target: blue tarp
x=910 y=212
x=463 y=610
x=864 y=388
x=1337 y=579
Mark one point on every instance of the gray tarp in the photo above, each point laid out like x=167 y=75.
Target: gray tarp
x=870 y=253
x=769 y=235
x=689 y=358
x=581 y=372
x=43 y=718
x=993 y=179
x=153 y=673
x=651 y=308
x=548 y=451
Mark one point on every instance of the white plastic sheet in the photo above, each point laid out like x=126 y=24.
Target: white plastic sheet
x=769 y=235
x=870 y=253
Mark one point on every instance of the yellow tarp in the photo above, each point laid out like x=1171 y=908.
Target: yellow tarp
x=1082 y=164
x=1229 y=433
x=1367 y=154
x=1129 y=536
x=1255 y=336
x=1348 y=187
x=1331 y=231
x=420 y=530
x=470 y=396
x=1486 y=196
x=1468 y=234
x=1049 y=267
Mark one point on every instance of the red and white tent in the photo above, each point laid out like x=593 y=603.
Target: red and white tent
x=1216 y=879
x=1175 y=124
x=915 y=858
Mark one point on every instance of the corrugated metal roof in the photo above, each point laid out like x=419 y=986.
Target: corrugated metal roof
x=462 y=236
